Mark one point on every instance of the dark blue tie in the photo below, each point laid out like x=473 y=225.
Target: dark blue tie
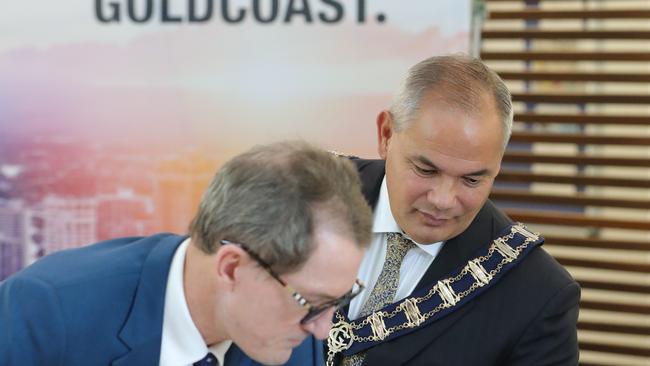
x=208 y=360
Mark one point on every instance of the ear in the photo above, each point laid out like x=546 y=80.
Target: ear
x=385 y=131
x=227 y=262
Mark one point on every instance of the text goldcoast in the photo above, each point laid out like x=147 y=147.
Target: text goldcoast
x=262 y=11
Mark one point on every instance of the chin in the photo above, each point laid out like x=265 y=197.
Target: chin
x=428 y=239
x=428 y=235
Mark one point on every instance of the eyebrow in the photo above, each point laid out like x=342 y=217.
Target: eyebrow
x=424 y=160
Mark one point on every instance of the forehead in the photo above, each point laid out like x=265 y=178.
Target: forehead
x=443 y=131
x=333 y=265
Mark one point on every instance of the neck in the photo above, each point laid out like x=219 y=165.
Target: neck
x=200 y=294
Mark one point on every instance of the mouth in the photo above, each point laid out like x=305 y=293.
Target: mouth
x=433 y=220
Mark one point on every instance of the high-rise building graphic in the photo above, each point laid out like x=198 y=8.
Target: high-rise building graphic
x=11 y=237
x=33 y=238
x=124 y=213
x=68 y=222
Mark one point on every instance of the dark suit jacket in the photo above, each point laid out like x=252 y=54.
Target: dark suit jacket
x=98 y=305
x=528 y=318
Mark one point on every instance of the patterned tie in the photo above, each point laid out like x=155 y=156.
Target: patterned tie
x=208 y=360
x=384 y=291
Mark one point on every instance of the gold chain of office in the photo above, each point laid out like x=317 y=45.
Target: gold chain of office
x=342 y=335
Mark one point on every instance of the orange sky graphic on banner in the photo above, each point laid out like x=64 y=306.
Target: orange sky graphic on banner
x=115 y=128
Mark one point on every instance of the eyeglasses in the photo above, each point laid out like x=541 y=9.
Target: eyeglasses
x=313 y=311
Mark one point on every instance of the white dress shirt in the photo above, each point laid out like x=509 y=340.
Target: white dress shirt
x=414 y=265
x=182 y=343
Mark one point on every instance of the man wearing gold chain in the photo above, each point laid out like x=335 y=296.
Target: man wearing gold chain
x=450 y=279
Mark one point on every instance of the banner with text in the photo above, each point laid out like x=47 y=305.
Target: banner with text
x=115 y=114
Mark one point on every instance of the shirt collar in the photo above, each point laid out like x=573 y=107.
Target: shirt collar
x=384 y=222
x=182 y=343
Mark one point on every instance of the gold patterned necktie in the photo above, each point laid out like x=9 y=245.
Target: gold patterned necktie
x=386 y=286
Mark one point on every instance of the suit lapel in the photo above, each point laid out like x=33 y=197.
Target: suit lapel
x=142 y=330
x=457 y=251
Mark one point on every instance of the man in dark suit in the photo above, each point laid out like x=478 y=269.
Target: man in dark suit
x=451 y=280
x=256 y=273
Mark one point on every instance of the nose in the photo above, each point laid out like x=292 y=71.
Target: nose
x=442 y=194
x=320 y=326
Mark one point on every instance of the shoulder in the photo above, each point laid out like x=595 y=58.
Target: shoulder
x=539 y=263
x=543 y=301
x=538 y=266
x=107 y=258
x=371 y=173
x=32 y=330
x=538 y=287
x=64 y=295
x=535 y=279
x=368 y=165
x=542 y=271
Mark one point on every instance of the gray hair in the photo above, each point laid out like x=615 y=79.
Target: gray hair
x=462 y=81
x=272 y=196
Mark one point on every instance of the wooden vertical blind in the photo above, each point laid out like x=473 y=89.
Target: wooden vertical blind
x=577 y=168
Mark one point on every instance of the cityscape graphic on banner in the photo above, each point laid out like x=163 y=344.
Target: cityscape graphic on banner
x=114 y=128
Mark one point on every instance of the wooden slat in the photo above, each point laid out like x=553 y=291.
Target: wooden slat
x=609 y=348
x=531 y=14
x=614 y=328
x=581 y=98
x=573 y=219
x=615 y=266
x=597 y=243
x=583 y=119
x=615 y=307
x=518 y=176
x=622 y=287
x=577 y=159
x=564 y=34
x=553 y=57
x=566 y=56
x=575 y=76
x=532 y=137
x=576 y=199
